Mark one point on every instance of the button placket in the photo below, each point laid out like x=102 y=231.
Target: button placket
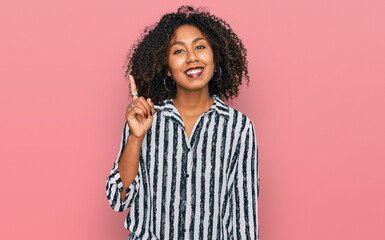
x=189 y=153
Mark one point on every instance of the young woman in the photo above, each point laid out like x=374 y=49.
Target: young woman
x=188 y=163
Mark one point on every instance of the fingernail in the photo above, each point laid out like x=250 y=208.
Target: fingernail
x=150 y=100
x=146 y=115
x=150 y=113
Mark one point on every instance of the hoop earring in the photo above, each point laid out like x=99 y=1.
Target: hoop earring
x=165 y=85
x=220 y=73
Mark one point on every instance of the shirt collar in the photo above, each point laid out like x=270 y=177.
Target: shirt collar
x=169 y=109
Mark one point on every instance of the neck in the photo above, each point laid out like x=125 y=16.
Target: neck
x=192 y=102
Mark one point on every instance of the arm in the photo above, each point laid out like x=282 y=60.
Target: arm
x=246 y=188
x=123 y=182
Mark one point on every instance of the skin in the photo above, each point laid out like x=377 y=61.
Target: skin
x=139 y=119
x=189 y=48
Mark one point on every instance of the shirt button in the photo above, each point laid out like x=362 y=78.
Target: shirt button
x=184 y=230
x=188 y=149
x=187 y=175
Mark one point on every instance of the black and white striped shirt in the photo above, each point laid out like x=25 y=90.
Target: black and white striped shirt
x=205 y=187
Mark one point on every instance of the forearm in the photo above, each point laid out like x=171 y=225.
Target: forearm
x=129 y=162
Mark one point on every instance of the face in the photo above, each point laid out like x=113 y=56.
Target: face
x=191 y=59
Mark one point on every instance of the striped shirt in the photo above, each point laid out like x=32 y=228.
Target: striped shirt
x=205 y=187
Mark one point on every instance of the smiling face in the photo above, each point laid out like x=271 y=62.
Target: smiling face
x=190 y=59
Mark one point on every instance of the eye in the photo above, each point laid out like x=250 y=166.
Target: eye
x=178 y=51
x=200 y=47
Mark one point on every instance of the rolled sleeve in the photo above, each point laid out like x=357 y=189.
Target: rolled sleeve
x=114 y=183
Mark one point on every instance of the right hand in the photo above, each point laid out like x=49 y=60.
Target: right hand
x=139 y=117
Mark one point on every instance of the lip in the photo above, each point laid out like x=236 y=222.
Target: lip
x=194 y=75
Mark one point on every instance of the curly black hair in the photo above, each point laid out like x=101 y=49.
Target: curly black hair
x=147 y=59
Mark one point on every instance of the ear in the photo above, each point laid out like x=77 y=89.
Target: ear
x=168 y=73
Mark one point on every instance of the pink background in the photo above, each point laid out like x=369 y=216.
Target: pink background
x=316 y=97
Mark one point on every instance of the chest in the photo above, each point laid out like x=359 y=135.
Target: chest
x=189 y=123
x=201 y=148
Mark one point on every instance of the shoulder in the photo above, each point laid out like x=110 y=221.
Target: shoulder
x=239 y=119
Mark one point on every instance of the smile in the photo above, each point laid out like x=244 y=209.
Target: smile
x=194 y=72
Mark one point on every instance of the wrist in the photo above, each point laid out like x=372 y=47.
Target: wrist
x=135 y=140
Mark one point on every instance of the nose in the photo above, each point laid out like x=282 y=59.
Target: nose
x=191 y=56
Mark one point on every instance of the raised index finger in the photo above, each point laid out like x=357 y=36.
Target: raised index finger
x=134 y=92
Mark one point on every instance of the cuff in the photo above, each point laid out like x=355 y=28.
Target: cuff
x=131 y=189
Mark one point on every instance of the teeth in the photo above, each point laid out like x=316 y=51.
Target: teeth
x=194 y=71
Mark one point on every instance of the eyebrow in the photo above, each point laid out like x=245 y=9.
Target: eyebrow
x=182 y=43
